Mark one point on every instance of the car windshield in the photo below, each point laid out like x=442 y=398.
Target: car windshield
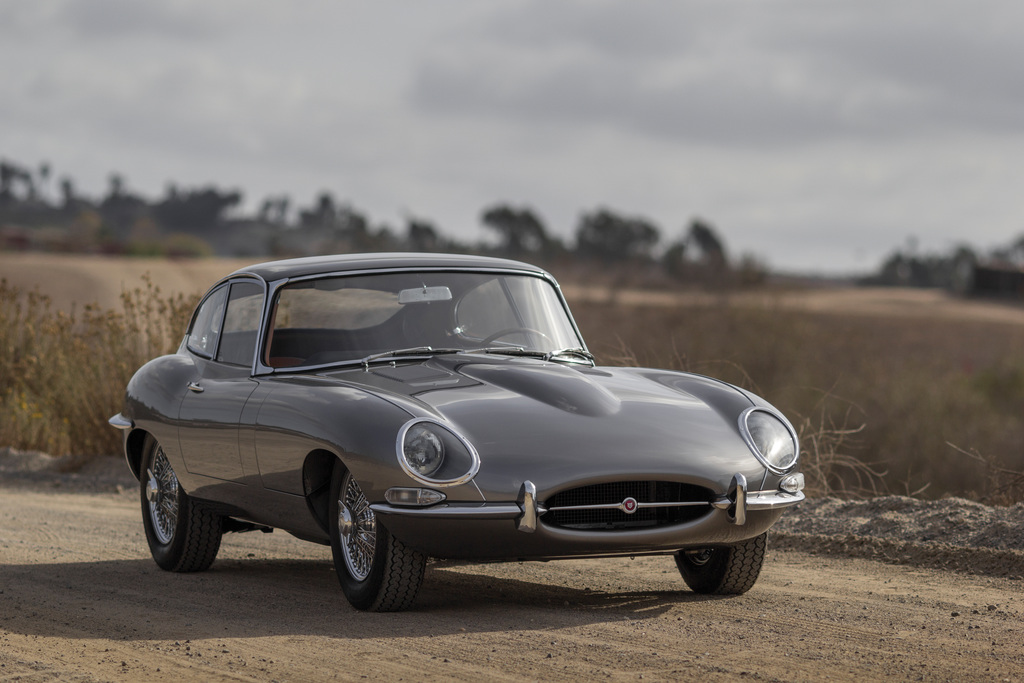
x=352 y=318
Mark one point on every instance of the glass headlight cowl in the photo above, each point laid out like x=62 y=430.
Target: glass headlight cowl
x=433 y=453
x=770 y=438
x=423 y=450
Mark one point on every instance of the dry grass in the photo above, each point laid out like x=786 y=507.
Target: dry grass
x=64 y=373
x=877 y=399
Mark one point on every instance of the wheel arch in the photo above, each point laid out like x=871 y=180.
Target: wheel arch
x=316 y=483
x=134 y=448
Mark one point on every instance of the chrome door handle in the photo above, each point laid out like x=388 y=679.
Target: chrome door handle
x=194 y=387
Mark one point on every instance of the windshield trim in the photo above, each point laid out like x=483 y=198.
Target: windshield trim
x=262 y=369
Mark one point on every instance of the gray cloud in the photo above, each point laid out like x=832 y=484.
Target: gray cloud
x=810 y=132
x=738 y=73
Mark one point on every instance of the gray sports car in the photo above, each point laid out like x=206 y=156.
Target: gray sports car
x=404 y=406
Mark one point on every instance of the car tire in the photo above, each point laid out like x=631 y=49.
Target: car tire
x=183 y=536
x=377 y=572
x=727 y=570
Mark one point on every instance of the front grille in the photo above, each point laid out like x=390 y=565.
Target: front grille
x=615 y=493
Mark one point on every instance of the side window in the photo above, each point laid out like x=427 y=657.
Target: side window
x=205 y=332
x=241 y=324
x=485 y=310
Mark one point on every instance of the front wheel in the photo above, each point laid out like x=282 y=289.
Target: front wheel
x=182 y=536
x=728 y=570
x=377 y=571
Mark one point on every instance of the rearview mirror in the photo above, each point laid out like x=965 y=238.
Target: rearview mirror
x=421 y=294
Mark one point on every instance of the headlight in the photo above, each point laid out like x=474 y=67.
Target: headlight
x=432 y=453
x=772 y=441
x=423 y=450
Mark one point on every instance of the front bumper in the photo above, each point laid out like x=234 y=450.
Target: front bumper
x=516 y=530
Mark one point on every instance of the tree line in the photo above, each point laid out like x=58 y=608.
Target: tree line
x=39 y=213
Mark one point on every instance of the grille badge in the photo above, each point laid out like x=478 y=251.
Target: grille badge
x=629 y=506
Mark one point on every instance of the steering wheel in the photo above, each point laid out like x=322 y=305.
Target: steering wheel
x=513 y=330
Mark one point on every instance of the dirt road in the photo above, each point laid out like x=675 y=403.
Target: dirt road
x=80 y=600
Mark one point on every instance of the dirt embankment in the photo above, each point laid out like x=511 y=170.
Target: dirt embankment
x=81 y=600
x=78 y=279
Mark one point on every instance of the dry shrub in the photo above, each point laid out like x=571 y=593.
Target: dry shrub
x=1003 y=486
x=62 y=375
x=827 y=443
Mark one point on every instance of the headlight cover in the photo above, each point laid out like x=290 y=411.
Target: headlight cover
x=423 y=450
x=770 y=438
x=433 y=454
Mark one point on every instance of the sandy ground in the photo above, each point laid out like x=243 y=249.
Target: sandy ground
x=69 y=279
x=81 y=600
x=81 y=279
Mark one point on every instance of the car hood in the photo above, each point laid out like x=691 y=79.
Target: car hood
x=565 y=424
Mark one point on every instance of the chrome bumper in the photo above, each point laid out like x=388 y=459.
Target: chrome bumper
x=737 y=502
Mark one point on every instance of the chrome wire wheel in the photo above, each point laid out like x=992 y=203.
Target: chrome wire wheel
x=162 y=494
x=357 y=528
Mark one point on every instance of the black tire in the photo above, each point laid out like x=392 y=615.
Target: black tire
x=182 y=535
x=377 y=572
x=728 y=570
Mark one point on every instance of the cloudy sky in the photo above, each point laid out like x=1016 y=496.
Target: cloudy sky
x=817 y=135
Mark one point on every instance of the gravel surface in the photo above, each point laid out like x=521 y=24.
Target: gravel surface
x=952 y=533
x=81 y=600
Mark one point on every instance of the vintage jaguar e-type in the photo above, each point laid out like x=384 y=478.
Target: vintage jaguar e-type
x=405 y=406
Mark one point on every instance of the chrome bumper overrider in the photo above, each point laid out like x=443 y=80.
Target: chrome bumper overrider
x=737 y=502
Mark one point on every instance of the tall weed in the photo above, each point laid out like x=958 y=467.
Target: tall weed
x=63 y=374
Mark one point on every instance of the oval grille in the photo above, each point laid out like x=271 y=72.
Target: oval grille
x=564 y=508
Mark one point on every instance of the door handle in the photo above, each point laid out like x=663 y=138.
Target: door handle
x=194 y=387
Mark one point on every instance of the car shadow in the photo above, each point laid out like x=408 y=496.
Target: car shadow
x=135 y=600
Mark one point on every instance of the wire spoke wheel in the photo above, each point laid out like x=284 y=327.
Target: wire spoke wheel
x=183 y=535
x=162 y=494
x=357 y=526
x=377 y=572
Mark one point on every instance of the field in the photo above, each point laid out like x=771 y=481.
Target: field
x=898 y=391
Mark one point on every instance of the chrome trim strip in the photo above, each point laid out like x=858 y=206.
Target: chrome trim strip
x=618 y=506
x=272 y=287
x=527 y=510
x=119 y=421
x=452 y=511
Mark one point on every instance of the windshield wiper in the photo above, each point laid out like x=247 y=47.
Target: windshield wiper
x=414 y=351
x=578 y=353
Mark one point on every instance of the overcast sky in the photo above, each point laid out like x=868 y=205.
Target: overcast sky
x=816 y=135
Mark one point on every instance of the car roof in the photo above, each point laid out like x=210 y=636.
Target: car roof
x=338 y=263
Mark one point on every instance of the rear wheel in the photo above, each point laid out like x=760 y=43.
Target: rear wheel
x=377 y=572
x=182 y=535
x=728 y=570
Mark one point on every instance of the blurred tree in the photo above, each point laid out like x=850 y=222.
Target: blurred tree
x=520 y=230
x=322 y=215
x=44 y=179
x=422 y=236
x=194 y=211
x=116 y=182
x=609 y=237
x=704 y=236
x=67 y=192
